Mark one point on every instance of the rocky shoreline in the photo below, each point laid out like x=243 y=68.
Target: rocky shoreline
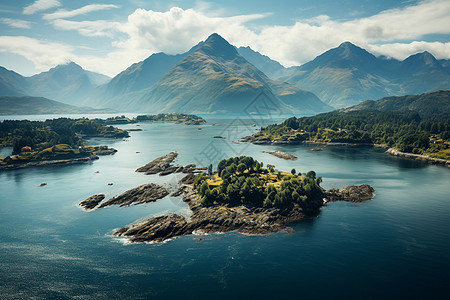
x=425 y=158
x=244 y=218
x=265 y=141
x=59 y=162
x=222 y=218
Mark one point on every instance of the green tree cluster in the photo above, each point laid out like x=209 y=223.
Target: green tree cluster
x=244 y=181
x=406 y=131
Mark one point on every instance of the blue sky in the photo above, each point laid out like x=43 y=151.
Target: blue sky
x=108 y=36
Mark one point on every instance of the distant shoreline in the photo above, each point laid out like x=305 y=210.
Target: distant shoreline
x=391 y=151
x=426 y=158
x=58 y=162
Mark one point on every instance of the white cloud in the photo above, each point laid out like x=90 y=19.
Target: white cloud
x=16 y=23
x=401 y=51
x=177 y=30
x=62 y=13
x=40 y=5
x=293 y=45
x=395 y=33
x=44 y=55
x=88 y=28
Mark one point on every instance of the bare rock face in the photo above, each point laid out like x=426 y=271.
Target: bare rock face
x=156 y=229
x=351 y=193
x=282 y=155
x=158 y=165
x=142 y=194
x=92 y=201
x=162 y=166
x=188 y=179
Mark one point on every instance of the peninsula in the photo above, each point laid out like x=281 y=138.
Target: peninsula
x=415 y=126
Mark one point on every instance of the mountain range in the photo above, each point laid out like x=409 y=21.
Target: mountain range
x=27 y=105
x=68 y=83
x=348 y=75
x=216 y=77
x=211 y=78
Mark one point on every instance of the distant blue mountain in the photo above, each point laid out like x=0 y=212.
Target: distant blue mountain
x=215 y=71
x=348 y=75
x=67 y=83
x=11 y=83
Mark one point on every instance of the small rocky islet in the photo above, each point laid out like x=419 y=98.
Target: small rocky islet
x=282 y=155
x=147 y=192
x=246 y=218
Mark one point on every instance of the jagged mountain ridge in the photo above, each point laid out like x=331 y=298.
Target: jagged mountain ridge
x=214 y=78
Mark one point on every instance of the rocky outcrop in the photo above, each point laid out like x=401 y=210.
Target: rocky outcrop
x=142 y=194
x=426 y=158
x=351 y=193
x=248 y=220
x=92 y=201
x=104 y=150
x=156 y=229
x=158 y=165
x=223 y=218
x=188 y=179
x=282 y=155
x=162 y=166
x=58 y=162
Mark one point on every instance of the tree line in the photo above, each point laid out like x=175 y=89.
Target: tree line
x=406 y=131
x=44 y=134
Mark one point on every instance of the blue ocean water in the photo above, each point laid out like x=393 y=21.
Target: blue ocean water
x=395 y=246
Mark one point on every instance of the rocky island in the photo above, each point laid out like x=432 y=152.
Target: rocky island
x=241 y=195
x=282 y=155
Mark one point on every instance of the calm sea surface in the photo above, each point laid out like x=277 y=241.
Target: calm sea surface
x=396 y=246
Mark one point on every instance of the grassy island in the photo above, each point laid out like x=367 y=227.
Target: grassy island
x=244 y=181
x=52 y=139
